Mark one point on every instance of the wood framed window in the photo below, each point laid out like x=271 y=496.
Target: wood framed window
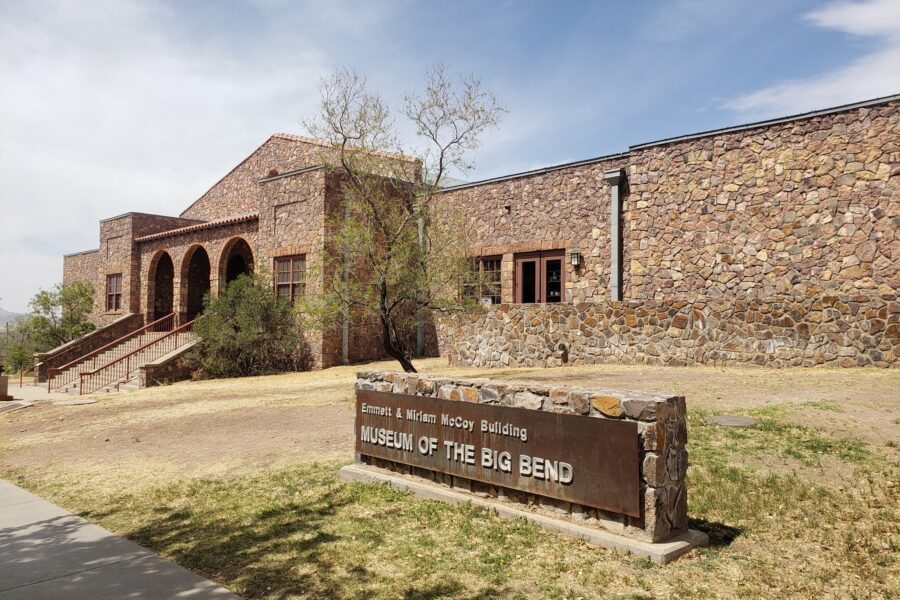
x=114 y=292
x=540 y=277
x=485 y=283
x=290 y=276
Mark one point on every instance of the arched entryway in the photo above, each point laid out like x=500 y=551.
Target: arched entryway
x=236 y=260
x=196 y=273
x=162 y=291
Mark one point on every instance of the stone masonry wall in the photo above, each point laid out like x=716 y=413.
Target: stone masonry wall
x=81 y=266
x=292 y=222
x=662 y=431
x=239 y=191
x=778 y=331
x=561 y=209
x=807 y=206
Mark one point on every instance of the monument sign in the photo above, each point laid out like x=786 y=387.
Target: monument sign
x=589 y=461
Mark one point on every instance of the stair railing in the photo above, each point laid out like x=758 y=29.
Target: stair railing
x=64 y=375
x=120 y=368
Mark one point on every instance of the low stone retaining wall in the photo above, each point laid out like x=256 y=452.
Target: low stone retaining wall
x=170 y=368
x=845 y=331
x=98 y=338
x=661 y=430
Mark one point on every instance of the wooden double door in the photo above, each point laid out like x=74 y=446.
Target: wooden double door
x=540 y=277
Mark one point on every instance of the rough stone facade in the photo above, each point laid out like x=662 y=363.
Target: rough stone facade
x=558 y=210
x=662 y=443
x=239 y=191
x=783 y=213
x=777 y=331
x=167 y=369
x=798 y=207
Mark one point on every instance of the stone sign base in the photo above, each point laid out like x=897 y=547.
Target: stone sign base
x=4 y=389
x=659 y=552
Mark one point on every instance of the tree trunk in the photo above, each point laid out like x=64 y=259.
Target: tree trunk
x=393 y=343
x=395 y=346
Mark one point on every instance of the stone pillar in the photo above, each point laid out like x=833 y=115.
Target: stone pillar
x=615 y=178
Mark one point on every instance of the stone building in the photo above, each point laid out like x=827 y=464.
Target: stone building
x=771 y=243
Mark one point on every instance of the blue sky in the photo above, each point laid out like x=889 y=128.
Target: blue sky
x=113 y=106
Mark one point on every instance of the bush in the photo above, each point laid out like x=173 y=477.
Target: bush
x=248 y=330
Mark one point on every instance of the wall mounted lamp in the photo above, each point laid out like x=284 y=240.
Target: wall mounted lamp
x=575 y=258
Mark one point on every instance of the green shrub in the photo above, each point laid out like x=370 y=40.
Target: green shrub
x=248 y=330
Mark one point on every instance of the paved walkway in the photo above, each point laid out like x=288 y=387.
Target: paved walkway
x=35 y=392
x=47 y=553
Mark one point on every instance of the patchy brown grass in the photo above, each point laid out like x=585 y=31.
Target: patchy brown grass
x=236 y=479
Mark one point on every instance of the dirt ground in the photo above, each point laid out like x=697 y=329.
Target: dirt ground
x=227 y=427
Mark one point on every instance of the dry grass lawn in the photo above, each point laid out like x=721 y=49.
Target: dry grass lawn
x=236 y=479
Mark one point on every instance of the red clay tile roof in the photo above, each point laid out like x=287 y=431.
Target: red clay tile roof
x=200 y=226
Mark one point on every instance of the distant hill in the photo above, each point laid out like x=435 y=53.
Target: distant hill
x=7 y=316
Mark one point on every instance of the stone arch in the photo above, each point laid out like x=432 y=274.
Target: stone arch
x=236 y=259
x=195 y=281
x=161 y=286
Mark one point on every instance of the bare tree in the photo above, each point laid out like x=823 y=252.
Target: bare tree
x=397 y=254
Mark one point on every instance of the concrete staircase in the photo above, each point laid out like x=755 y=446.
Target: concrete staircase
x=117 y=366
x=101 y=359
x=130 y=381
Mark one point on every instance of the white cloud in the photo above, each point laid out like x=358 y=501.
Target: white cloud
x=873 y=75
x=114 y=106
x=876 y=17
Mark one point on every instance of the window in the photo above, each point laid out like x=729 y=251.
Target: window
x=485 y=283
x=540 y=277
x=290 y=277
x=114 y=292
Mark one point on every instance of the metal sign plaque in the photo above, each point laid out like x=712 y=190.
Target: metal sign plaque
x=579 y=459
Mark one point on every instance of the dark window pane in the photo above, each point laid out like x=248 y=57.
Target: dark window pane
x=554 y=281
x=529 y=281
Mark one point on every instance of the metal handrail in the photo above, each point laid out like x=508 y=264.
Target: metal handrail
x=115 y=367
x=52 y=372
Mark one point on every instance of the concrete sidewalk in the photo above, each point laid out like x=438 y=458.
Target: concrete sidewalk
x=46 y=552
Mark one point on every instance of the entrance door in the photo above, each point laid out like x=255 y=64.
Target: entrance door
x=540 y=277
x=528 y=284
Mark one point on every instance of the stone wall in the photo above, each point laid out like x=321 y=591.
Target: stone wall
x=167 y=369
x=239 y=191
x=81 y=266
x=779 y=331
x=662 y=431
x=557 y=209
x=799 y=207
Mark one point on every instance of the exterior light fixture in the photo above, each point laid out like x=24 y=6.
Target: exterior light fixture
x=575 y=258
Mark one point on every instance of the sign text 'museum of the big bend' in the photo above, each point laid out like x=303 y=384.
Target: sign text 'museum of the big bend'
x=590 y=461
